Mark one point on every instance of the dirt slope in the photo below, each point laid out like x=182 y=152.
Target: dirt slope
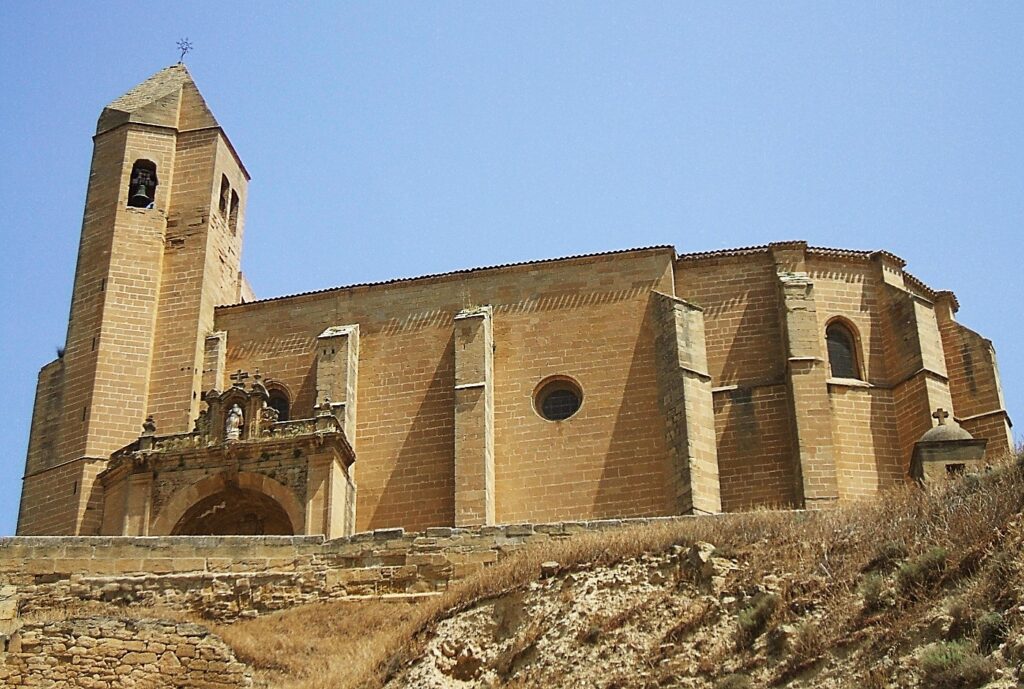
x=916 y=590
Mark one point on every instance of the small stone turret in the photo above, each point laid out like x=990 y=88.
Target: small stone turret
x=944 y=450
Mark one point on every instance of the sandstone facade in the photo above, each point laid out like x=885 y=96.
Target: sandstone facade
x=633 y=383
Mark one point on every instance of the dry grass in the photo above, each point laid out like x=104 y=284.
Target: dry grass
x=316 y=646
x=824 y=559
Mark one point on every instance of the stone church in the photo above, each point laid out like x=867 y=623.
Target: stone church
x=638 y=382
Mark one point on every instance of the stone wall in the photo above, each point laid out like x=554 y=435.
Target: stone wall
x=112 y=653
x=228 y=577
x=584 y=318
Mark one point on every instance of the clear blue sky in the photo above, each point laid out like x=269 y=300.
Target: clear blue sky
x=396 y=139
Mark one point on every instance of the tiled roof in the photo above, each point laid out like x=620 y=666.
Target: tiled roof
x=720 y=253
x=463 y=271
x=817 y=250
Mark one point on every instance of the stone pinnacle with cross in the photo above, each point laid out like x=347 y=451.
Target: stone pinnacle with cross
x=941 y=415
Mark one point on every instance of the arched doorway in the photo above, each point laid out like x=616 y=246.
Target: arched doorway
x=234 y=511
x=224 y=504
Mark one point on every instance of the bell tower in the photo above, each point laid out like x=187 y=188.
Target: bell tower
x=160 y=247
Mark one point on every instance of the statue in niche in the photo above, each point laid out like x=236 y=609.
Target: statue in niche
x=233 y=425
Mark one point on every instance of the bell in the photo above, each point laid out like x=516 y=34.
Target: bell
x=140 y=199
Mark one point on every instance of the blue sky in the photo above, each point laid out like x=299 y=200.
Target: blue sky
x=397 y=139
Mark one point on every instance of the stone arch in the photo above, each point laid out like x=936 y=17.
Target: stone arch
x=843 y=348
x=280 y=398
x=187 y=498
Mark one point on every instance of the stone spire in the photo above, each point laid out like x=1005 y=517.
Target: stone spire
x=169 y=98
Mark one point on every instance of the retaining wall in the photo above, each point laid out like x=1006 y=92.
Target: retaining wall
x=227 y=577
x=114 y=653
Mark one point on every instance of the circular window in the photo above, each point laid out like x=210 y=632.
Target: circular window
x=558 y=399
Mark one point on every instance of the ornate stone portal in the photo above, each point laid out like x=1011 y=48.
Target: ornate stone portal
x=240 y=471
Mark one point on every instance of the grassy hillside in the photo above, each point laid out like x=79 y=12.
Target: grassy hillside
x=916 y=588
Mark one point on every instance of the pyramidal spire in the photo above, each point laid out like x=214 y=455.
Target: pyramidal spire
x=169 y=98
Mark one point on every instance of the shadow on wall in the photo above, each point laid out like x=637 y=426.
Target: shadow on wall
x=756 y=347
x=756 y=458
x=419 y=491
x=889 y=465
x=629 y=487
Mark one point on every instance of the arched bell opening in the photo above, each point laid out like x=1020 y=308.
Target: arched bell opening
x=235 y=511
x=142 y=184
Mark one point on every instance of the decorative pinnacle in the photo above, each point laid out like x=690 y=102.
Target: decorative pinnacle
x=184 y=45
x=941 y=415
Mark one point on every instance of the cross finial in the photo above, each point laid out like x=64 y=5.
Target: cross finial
x=239 y=377
x=256 y=376
x=940 y=415
x=184 y=45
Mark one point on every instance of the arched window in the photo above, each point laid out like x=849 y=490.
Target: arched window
x=842 y=351
x=142 y=184
x=225 y=194
x=279 y=401
x=233 y=213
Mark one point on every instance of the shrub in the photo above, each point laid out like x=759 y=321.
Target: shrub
x=887 y=555
x=874 y=678
x=871 y=589
x=922 y=571
x=754 y=619
x=808 y=642
x=961 y=620
x=954 y=665
x=991 y=631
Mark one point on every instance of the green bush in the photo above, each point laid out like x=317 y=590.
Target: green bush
x=991 y=631
x=954 y=665
x=871 y=589
x=922 y=571
x=754 y=619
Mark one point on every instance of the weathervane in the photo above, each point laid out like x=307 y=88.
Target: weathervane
x=184 y=45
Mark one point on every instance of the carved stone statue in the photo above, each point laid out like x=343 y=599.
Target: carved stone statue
x=233 y=425
x=268 y=417
x=202 y=426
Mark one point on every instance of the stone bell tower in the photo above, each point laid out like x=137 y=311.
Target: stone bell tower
x=160 y=248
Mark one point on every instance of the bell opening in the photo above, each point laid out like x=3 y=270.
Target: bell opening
x=142 y=184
